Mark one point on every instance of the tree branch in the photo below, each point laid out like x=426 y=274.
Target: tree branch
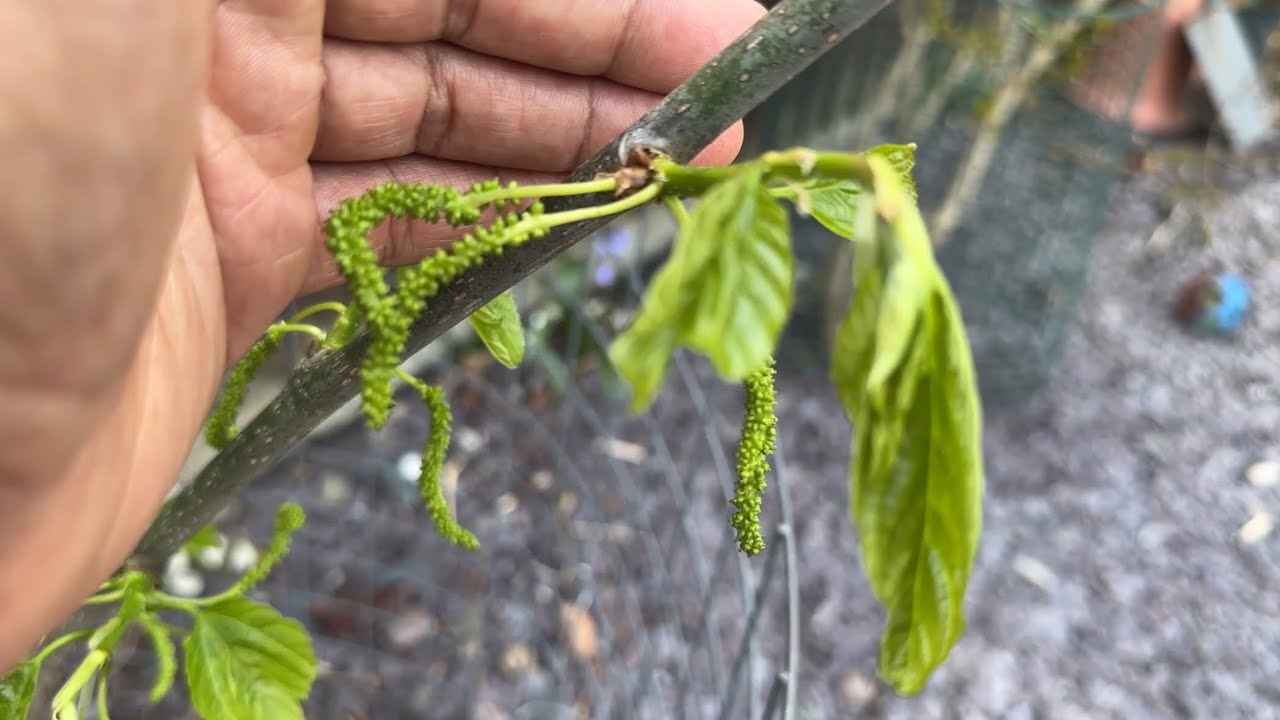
x=786 y=41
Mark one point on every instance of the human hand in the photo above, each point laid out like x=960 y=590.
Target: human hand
x=164 y=185
x=1180 y=12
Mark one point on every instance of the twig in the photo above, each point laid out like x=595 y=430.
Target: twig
x=781 y=45
x=1007 y=100
x=916 y=35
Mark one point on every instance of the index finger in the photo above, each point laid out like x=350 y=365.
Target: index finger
x=648 y=44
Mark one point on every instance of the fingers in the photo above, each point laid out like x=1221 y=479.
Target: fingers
x=386 y=101
x=649 y=44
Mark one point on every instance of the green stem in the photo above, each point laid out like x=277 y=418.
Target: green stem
x=411 y=381
x=635 y=200
x=685 y=181
x=164 y=601
x=802 y=163
x=60 y=643
x=677 y=209
x=79 y=679
x=792 y=164
x=103 y=713
x=312 y=330
x=103 y=598
x=332 y=306
x=530 y=192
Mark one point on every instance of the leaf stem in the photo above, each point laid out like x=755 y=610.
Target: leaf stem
x=103 y=598
x=527 y=192
x=79 y=679
x=103 y=712
x=332 y=306
x=312 y=330
x=60 y=643
x=793 y=164
x=677 y=209
x=635 y=200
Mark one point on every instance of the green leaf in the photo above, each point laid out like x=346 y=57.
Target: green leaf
x=919 y=517
x=742 y=297
x=206 y=537
x=498 y=325
x=16 y=690
x=902 y=298
x=244 y=661
x=903 y=160
x=903 y=369
x=855 y=342
x=834 y=206
x=643 y=351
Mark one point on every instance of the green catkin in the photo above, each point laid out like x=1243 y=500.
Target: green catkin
x=759 y=438
x=166 y=662
x=419 y=283
x=429 y=485
x=389 y=316
x=289 y=518
x=221 y=428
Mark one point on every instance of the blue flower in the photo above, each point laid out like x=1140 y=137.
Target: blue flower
x=611 y=244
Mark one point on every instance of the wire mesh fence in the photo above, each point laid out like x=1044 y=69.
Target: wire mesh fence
x=608 y=583
x=1014 y=202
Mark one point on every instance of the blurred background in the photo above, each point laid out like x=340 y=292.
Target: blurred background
x=1127 y=567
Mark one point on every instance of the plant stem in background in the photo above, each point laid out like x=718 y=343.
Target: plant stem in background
x=1007 y=100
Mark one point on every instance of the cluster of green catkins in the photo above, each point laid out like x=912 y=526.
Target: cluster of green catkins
x=759 y=439
x=389 y=316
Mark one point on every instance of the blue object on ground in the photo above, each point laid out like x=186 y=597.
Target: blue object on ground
x=1213 y=304
x=1233 y=303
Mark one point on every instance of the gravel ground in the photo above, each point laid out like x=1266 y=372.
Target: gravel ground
x=1114 y=579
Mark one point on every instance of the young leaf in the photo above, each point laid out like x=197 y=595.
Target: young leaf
x=742 y=296
x=244 y=661
x=833 y=206
x=205 y=537
x=919 y=517
x=725 y=289
x=902 y=298
x=903 y=368
x=498 y=325
x=16 y=690
x=643 y=351
x=903 y=160
x=830 y=202
x=855 y=342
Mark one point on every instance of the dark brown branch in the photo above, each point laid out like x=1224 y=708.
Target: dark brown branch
x=744 y=75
